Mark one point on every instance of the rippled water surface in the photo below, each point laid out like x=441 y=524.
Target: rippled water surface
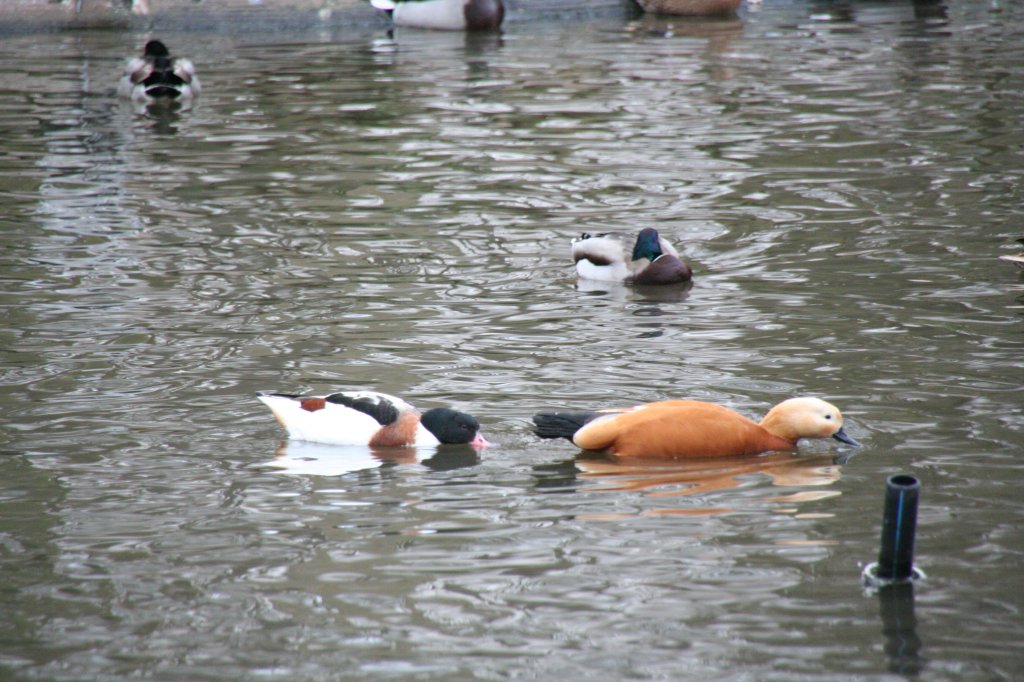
x=362 y=210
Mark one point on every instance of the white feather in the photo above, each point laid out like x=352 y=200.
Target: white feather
x=448 y=15
x=667 y=248
x=610 y=250
x=336 y=424
x=606 y=249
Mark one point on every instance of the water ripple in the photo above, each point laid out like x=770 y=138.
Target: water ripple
x=395 y=212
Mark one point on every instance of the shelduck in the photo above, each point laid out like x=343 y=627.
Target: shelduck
x=370 y=418
x=691 y=428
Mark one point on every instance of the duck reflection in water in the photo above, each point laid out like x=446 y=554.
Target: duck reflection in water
x=659 y=478
x=317 y=459
x=645 y=293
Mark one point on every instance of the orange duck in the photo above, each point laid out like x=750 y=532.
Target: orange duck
x=690 y=428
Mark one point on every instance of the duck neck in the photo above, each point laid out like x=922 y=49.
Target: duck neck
x=775 y=424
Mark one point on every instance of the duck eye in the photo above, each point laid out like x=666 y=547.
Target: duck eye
x=828 y=416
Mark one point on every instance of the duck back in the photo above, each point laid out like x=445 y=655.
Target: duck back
x=678 y=428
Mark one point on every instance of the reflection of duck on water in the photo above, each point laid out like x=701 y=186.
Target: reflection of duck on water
x=702 y=476
x=316 y=459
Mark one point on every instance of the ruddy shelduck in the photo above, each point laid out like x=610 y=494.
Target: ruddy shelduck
x=690 y=428
x=370 y=418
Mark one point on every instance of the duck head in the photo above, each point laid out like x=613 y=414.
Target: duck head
x=452 y=427
x=798 y=418
x=648 y=245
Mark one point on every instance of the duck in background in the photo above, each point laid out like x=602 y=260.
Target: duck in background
x=691 y=428
x=1015 y=258
x=653 y=259
x=447 y=15
x=370 y=418
x=157 y=76
x=690 y=8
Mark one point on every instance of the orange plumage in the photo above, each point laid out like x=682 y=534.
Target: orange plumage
x=690 y=428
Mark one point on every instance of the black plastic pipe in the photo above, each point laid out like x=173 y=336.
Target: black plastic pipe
x=899 y=526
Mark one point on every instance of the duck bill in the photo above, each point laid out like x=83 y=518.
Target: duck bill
x=842 y=437
x=479 y=442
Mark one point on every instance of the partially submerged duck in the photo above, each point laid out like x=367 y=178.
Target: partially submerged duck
x=691 y=8
x=448 y=15
x=1016 y=258
x=157 y=76
x=652 y=261
x=691 y=428
x=370 y=418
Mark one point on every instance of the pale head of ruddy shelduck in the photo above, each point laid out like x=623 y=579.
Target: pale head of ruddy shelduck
x=798 y=418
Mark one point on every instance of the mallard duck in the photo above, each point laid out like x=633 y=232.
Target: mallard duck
x=449 y=15
x=653 y=259
x=370 y=418
x=156 y=75
x=691 y=428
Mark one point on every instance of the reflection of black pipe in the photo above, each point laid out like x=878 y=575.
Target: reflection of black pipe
x=899 y=525
x=899 y=625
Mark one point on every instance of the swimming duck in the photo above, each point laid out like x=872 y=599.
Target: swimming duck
x=691 y=8
x=449 y=15
x=157 y=76
x=691 y=428
x=1016 y=258
x=370 y=418
x=653 y=261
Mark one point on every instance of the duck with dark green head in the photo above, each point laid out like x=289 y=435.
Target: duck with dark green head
x=653 y=259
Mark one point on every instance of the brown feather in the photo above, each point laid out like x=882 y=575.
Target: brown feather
x=398 y=433
x=666 y=269
x=313 y=404
x=678 y=428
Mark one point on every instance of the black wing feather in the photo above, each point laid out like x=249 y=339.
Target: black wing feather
x=561 y=424
x=381 y=409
